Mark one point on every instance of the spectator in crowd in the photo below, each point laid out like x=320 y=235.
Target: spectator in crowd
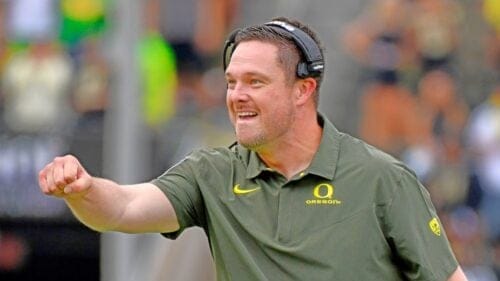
x=388 y=117
x=158 y=70
x=483 y=140
x=379 y=40
x=35 y=88
x=195 y=29
x=435 y=25
x=81 y=19
x=466 y=232
x=442 y=117
x=89 y=98
x=31 y=20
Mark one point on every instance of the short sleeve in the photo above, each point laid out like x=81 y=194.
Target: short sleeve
x=422 y=250
x=180 y=186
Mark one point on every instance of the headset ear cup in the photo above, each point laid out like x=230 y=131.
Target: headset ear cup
x=302 y=71
x=313 y=63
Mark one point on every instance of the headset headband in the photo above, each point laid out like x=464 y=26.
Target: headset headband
x=314 y=64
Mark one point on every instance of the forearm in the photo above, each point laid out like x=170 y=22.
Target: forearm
x=102 y=206
x=138 y=208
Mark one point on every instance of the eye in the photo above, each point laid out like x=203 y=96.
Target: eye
x=231 y=84
x=255 y=82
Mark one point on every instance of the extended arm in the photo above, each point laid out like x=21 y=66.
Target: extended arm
x=104 y=205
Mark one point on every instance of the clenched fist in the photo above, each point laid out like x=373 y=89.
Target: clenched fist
x=64 y=176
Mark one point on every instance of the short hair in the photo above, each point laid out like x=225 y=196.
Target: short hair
x=289 y=54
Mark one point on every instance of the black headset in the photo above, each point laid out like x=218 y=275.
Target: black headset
x=312 y=67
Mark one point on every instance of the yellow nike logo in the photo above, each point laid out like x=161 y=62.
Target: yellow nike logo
x=238 y=190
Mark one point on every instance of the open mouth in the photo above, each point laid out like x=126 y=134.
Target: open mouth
x=246 y=115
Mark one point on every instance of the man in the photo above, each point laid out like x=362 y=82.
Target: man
x=294 y=199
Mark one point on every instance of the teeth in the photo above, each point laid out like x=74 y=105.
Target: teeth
x=246 y=114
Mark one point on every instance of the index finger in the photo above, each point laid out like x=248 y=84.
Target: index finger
x=42 y=180
x=70 y=171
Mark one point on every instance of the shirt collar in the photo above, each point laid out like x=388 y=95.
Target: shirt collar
x=324 y=161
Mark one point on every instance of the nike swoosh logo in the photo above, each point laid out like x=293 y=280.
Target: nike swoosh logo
x=238 y=190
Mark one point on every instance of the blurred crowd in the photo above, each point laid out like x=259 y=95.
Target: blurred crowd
x=56 y=78
x=415 y=104
x=53 y=94
x=429 y=95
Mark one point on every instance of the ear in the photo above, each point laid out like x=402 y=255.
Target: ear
x=304 y=90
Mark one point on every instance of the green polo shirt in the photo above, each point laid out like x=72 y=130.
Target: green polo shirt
x=354 y=214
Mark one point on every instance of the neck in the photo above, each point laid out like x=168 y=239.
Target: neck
x=294 y=152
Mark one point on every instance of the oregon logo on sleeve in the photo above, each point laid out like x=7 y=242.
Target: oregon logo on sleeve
x=435 y=227
x=323 y=195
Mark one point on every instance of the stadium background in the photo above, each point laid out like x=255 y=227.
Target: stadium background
x=132 y=86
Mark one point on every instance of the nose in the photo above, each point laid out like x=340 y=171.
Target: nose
x=237 y=93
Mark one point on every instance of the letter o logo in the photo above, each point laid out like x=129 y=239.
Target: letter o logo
x=323 y=191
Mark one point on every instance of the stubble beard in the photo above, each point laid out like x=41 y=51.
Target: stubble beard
x=264 y=134
x=253 y=142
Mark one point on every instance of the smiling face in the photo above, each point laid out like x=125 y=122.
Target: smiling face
x=259 y=97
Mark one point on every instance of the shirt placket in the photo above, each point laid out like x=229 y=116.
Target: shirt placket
x=284 y=214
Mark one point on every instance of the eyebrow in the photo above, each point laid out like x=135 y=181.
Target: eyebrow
x=250 y=73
